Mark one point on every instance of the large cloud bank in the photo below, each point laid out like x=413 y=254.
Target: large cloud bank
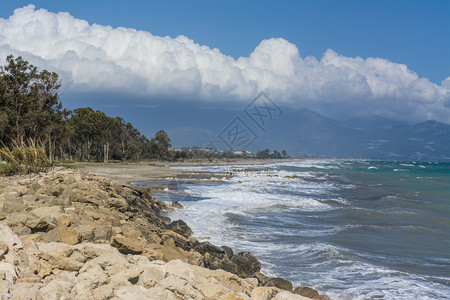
x=105 y=59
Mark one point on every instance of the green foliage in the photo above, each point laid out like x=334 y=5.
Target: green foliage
x=87 y=134
x=29 y=105
x=160 y=145
x=264 y=154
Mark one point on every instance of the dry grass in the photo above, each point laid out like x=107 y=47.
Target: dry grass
x=23 y=158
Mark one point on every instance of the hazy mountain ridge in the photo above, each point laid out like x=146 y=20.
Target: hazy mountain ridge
x=302 y=132
x=371 y=137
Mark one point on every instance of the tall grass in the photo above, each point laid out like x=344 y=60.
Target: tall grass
x=23 y=158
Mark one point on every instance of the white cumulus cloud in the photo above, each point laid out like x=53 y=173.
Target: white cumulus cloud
x=105 y=59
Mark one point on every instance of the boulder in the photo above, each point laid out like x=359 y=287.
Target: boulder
x=207 y=247
x=247 y=264
x=180 y=227
x=127 y=245
x=103 y=292
x=151 y=276
x=11 y=240
x=51 y=211
x=228 y=251
x=25 y=291
x=309 y=293
x=264 y=293
x=55 y=290
x=31 y=221
x=102 y=232
x=280 y=283
x=214 y=263
x=67 y=231
x=61 y=256
x=86 y=232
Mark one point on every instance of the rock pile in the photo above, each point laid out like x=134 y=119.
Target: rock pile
x=67 y=234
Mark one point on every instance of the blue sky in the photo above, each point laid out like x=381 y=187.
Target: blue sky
x=264 y=38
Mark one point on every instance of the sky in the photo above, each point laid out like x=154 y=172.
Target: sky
x=340 y=58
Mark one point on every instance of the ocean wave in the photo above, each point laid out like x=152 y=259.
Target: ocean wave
x=331 y=227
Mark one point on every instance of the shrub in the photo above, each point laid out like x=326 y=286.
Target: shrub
x=24 y=158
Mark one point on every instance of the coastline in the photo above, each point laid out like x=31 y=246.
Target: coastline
x=77 y=235
x=70 y=234
x=168 y=173
x=163 y=171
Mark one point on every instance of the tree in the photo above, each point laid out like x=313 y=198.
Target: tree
x=83 y=123
x=263 y=154
x=275 y=154
x=29 y=102
x=160 y=145
x=30 y=110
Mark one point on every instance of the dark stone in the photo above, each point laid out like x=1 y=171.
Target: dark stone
x=280 y=283
x=166 y=220
x=102 y=232
x=207 y=247
x=180 y=227
x=243 y=264
x=177 y=204
x=309 y=293
x=214 y=263
x=133 y=280
x=21 y=230
x=262 y=279
x=247 y=264
x=180 y=242
x=228 y=251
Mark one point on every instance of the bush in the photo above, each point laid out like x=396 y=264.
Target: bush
x=24 y=158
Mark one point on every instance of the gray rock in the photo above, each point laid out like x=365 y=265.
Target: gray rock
x=207 y=247
x=102 y=233
x=247 y=264
x=21 y=230
x=309 y=293
x=228 y=251
x=180 y=227
x=86 y=231
x=280 y=283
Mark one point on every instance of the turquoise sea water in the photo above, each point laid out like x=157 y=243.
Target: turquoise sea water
x=352 y=229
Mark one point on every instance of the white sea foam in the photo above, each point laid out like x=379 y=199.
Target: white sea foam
x=252 y=193
x=259 y=209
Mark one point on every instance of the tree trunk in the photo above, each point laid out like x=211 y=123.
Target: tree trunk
x=50 y=148
x=89 y=150
x=61 y=155
x=105 y=152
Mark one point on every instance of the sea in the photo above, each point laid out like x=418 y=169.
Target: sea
x=352 y=229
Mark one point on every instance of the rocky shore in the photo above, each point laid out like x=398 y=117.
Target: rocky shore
x=68 y=234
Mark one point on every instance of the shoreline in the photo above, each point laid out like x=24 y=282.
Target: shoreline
x=164 y=171
x=91 y=237
x=168 y=176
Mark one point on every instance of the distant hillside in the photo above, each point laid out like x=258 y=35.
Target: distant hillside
x=307 y=133
x=302 y=132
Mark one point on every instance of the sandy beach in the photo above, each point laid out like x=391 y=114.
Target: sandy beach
x=162 y=171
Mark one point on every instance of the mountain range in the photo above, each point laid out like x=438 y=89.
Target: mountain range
x=300 y=132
